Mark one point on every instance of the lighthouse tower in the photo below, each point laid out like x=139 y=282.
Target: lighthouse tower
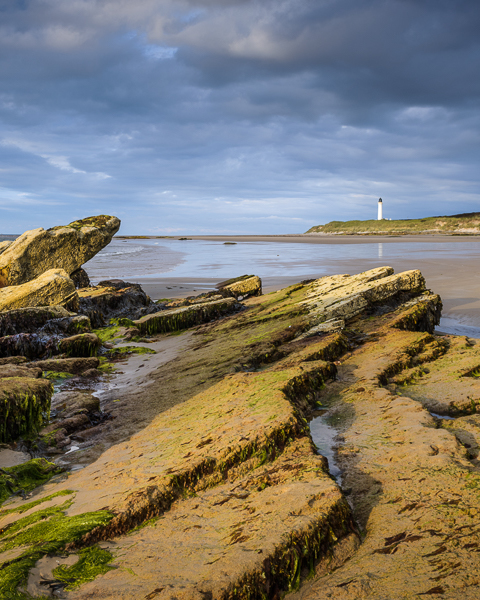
x=380 y=209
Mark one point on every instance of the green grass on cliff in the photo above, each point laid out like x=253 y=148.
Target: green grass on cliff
x=468 y=223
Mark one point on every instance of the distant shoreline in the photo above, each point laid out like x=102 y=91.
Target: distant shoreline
x=315 y=238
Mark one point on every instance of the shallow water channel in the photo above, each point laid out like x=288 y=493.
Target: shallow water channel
x=324 y=437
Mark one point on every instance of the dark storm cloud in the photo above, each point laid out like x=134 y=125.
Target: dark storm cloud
x=237 y=115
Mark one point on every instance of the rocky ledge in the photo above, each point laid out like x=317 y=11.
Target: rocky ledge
x=205 y=480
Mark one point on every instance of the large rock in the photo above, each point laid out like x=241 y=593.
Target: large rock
x=66 y=246
x=52 y=288
x=115 y=299
x=24 y=404
x=347 y=296
x=29 y=320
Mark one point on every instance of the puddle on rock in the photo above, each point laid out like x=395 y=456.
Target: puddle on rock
x=442 y=416
x=324 y=437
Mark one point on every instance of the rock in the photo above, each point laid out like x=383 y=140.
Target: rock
x=65 y=247
x=68 y=404
x=85 y=344
x=13 y=360
x=188 y=316
x=92 y=373
x=19 y=371
x=246 y=285
x=114 y=299
x=4 y=245
x=80 y=278
x=52 y=288
x=68 y=325
x=30 y=345
x=345 y=297
x=29 y=320
x=24 y=401
x=66 y=365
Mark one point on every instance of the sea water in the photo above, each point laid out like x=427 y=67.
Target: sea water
x=133 y=259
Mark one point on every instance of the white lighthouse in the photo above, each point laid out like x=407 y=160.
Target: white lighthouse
x=380 y=209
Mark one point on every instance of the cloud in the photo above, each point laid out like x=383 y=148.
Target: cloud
x=240 y=115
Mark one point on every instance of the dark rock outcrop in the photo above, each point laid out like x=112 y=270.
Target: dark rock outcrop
x=115 y=299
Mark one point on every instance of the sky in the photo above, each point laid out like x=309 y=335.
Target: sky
x=237 y=116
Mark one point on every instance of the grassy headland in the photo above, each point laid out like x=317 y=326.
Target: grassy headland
x=464 y=224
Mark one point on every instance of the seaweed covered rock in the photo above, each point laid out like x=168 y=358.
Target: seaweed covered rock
x=80 y=278
x=29 y=345
x=246 y=285
x=13 y=360
x=348 y=296
x=85 y=344
x=25 y=477
x=65 y=365
x=65 y=247
x=29 y=320
x=188 y=316
x=114 y=299
x=10 y=370
x=52 y=288
x=24 y=404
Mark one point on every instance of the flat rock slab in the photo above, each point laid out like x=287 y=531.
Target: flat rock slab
x=187 y=316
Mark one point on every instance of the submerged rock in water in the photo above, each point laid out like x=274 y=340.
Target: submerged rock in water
x=24 y=404
x=65 y=247
x=52 y=288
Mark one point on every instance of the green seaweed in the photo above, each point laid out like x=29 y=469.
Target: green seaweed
x=113 y=352
x=47 y=531
x=57 y=375
x=107 y=333
x=24 y=405
x=26 y=477
x=93 y=561
x=24 y=507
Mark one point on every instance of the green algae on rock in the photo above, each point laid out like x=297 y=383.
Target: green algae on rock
x=188 y=316
x=24 y=406
x=25 y=477
x=233 y=462
x=92 y=561
x=82 y=345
